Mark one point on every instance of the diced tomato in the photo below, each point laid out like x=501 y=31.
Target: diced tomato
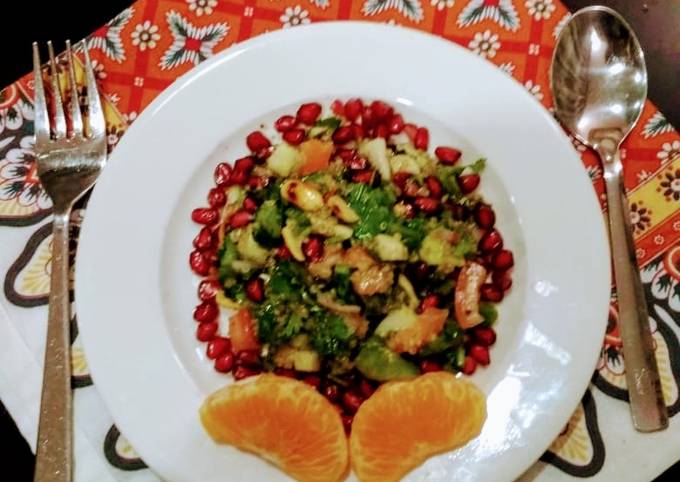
x=316 y=156
x=242 y=331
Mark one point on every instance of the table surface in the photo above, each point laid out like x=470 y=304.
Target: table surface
x=655 y=22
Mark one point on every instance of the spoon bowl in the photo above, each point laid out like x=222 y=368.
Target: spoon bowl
x=599 y=79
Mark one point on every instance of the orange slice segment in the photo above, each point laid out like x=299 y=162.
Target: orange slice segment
x=285 y=421
x=406 y=422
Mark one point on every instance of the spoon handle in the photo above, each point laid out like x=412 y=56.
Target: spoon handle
x=642 y=376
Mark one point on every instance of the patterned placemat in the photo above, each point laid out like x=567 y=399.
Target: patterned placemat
x=142 y=50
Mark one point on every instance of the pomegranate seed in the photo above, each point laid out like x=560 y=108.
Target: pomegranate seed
x=199 y=263
x=313 y=248
x=358 y=131
x=206 y=312
x=218 y=347
x=396 y=124
x=400 y=178
x=284 y=123
x=283 y=253
x=411 y=131
x=206 y=331
x=420 y=271
x=294 y=136
x=484 y=216
x=331 y=392
x=422 y=139
x=343 y=135
x=364 y=176
x=430 y=301
x=427 y=205
x=484 y=335
x=245 y=164
x=366 y=388
x=490 y=292
x=208 y=289
x=240 y=218
x=257 y=141
x=338 y=108
x=210 y=254
x=262 y=155
x=381 y=110
x=367 y=117
x=435 y=186
x=503 y=259
x=239 y=178
x=352 y=401
x=250 y=205
x=382 y=131
x=353 y=109
x=502 y=280
x=357 y=163
x=491 y=241
x=204 y=239
x=447 y=155
x=480 y=354
x=222 y=174
x=225 y=362
x=258 y=182
x=347 y=422
x=309 y=113
x=205 y=215
x=255 y=289
x=469 y=365
x=243 y=372
x=217 y=198
x=427 y=366
x=312 y=380
x=468 y=182
x=248 y=358
x=285 y=372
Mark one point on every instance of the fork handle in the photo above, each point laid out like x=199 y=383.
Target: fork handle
x=642 y=376
x=54 y=457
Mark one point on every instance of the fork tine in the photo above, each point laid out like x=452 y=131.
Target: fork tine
x=74 y=105
x=59 y=119
x=42 y=119
x=94 y=105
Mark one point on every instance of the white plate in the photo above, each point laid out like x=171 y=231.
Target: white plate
x=135 y=292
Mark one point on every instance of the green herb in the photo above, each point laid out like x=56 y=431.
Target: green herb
x=287 y=280
x=330 y=335
x=412 y=231
x=324 y=127
x=343 y=286
x=274 y=327
x=477 y=166
x=374 y=207
x=268 y=224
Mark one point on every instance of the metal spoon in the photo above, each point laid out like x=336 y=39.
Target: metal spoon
x=599 y=82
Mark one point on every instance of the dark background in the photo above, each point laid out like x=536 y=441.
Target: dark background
x=656 y=21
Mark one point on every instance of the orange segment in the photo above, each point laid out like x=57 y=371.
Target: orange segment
x=284 y=421
x=406 y=422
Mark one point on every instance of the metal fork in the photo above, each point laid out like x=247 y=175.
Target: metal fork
x=69 y=160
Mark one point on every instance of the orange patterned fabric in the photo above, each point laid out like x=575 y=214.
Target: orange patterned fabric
x=145 y=48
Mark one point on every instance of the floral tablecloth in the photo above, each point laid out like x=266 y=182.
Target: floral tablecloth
x=142 y=50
